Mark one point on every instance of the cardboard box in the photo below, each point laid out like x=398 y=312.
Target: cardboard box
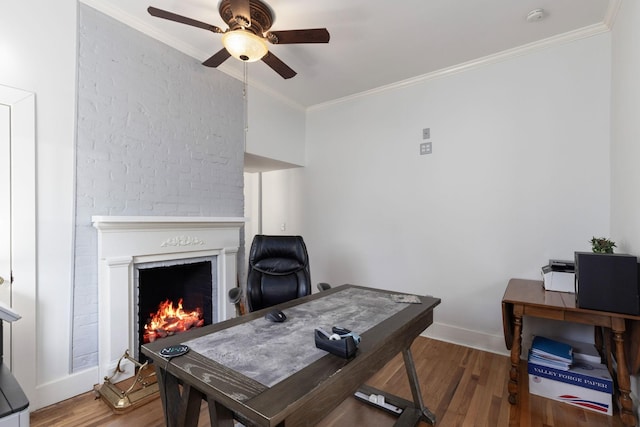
x=586 y=385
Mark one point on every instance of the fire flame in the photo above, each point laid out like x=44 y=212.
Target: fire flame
x=169 y=321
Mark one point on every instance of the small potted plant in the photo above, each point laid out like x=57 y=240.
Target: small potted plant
x=602 y=245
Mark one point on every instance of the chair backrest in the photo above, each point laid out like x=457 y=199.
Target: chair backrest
x=278 y=271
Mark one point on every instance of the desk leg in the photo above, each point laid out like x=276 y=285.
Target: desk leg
x=410 y=413
x=180 y=409
x=169 y=392
x=415 y=387
x=624 y=385
x=219 y=415
x=516 y=348
x=190 y=405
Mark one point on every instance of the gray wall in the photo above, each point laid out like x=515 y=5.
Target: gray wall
x=157 y=134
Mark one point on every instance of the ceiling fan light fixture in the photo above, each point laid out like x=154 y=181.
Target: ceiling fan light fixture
x=248 y=21
x=244 y=45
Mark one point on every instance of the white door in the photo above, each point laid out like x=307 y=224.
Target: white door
x=5 y=221
x=18 y=232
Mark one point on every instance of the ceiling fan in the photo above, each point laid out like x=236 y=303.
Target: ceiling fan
x=246 y=38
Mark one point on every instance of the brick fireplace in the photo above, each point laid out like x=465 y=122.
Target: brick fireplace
x=127 y=243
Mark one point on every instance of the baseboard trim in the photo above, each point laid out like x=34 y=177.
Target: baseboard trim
x=467 y=338
x=64 y=388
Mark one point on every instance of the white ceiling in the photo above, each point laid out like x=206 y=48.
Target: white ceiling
x=374 y=43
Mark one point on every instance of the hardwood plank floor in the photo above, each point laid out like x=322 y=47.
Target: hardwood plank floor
x=461 y=385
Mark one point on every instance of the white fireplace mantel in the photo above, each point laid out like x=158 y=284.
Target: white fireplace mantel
x=101 y=219
x=124 y=241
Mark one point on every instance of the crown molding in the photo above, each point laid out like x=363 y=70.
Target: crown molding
x=476 y=63
x=605 y=26
x=611 y=13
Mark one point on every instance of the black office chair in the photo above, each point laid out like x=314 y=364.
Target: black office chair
x=278 y=271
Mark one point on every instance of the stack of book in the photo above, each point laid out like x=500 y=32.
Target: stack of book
x=577 y=378
x=551 y=353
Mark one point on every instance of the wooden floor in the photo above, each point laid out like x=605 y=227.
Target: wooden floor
x=462 y=386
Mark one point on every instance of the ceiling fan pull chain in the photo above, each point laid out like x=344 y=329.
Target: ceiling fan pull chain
x=245 y=97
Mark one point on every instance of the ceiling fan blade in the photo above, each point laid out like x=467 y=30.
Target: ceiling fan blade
x=278 y=66
x=312 y=35
x=241 y=12
x=217 y=59
x=182 y=19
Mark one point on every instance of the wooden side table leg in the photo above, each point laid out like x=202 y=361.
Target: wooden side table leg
x=598 y=341
x=608 y=351
x=624 y=383
x=516 y=348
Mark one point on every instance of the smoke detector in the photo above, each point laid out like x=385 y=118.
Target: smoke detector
x=535 y=15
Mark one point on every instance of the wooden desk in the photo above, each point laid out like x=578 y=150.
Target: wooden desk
x=528 y=298
x=302 y=398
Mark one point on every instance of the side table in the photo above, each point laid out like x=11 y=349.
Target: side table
x=529 y=298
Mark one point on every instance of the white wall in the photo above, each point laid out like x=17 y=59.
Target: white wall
x=37 y=54
x=275 y=127
x=280 y=212
x=519 y=174
x=625 y=128
x=275 y=131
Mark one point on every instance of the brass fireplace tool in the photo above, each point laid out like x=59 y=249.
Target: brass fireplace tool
x=143 y=387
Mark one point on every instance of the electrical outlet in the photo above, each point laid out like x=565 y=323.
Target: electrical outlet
x=426 y=133
x=425 y=148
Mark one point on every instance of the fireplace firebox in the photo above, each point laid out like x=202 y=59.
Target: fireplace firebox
x=174 y=297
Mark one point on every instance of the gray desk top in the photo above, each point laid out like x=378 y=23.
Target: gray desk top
x=270 y=352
